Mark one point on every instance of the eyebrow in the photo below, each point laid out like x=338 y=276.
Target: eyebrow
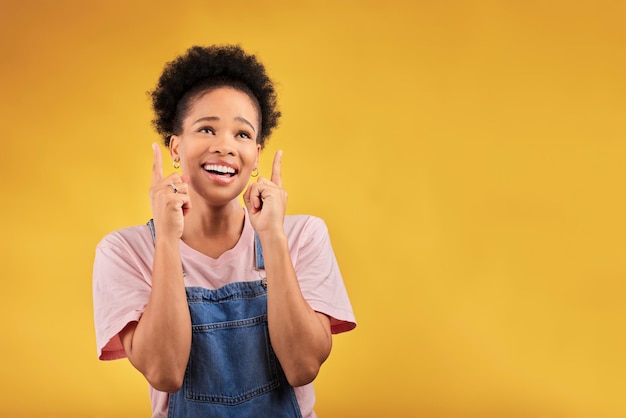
x=215 y=118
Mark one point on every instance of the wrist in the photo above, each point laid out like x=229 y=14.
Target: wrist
x=167 y=244
x=271 y=238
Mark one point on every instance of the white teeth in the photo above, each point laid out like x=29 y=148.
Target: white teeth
x=219 y=168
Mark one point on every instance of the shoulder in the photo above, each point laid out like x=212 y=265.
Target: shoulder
x=137 y=238
x=124 y=253
x=298 y=224
x=306 y=232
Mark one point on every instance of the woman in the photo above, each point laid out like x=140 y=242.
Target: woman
x=226 y=310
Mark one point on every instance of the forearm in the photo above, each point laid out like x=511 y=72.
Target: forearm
x=300 y=336
x=161 y=341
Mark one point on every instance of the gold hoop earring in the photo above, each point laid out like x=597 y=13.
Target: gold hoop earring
x=255 y=172
x=176 y=164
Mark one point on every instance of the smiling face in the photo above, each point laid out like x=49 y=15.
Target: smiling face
x=217 y=146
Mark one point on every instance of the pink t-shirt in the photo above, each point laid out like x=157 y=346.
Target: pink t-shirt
x=122 y=280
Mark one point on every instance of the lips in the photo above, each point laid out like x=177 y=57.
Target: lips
x=220 y=169
x=220 y=172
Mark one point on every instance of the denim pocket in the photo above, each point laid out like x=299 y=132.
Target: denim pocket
x=231 y=362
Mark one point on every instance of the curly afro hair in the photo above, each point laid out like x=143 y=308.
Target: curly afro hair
x=202 y=69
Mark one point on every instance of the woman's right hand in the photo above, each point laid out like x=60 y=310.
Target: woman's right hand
x=169 y=199
x=158 y=344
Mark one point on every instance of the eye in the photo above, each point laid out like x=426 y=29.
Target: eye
x=244 y=135
x=206 y=130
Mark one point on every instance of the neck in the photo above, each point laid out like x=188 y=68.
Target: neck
x=213 y=221
x=213 y=230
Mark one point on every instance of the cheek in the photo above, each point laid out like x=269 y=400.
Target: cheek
x=252 y=154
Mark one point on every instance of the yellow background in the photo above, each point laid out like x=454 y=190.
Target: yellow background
x=467 y=157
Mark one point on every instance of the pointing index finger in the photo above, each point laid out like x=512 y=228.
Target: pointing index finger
x=157 y=165
x=277 y=178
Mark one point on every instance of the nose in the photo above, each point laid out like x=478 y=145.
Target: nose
x=223 y=145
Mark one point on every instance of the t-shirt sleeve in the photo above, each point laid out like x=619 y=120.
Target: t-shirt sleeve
x=319 y=276
x=121 y=290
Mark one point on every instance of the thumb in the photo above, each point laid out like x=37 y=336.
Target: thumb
x=186 y=206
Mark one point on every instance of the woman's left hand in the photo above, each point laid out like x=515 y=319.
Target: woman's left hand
x=267 y=201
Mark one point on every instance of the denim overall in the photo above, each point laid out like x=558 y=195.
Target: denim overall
x=232 y=370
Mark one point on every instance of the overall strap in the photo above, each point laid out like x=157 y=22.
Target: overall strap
x=150 y=223
x=258 y=253
x=259 y=264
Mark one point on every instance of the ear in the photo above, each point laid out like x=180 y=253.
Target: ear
x=175 y=147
